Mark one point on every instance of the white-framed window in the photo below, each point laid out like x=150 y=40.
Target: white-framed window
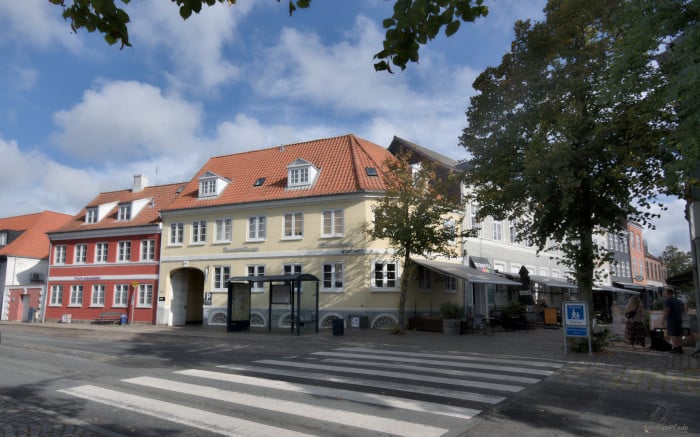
x=56 y=295
x=257 y=228
x=145 y=295
x=333 y=225
x=291 y=269
x=148 y=250
x=221 y=275
x=121 y=295
x=332 y=277
x=91 y=215
x=222 y=231
x=543 y=271
x=515 y=268
x=298 y=176
x=101 y=251
x=124 y=251
x=176 y=233
x=97 y=298
x=385 y=274
x=80 y=255
x=76 y=296
x=294 y=225
x=199 y=231
x=256 y=270
x=475 y=224
x=59 y=256
x=450 y=284
x=556 y=273
x=513 y=231
x=207 y=187
x=124 y=212
x=450 y=227
x=424 y=278
x=3 y=238
x=497 y=230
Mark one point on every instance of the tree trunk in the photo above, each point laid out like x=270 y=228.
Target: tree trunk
x=585 y=267
x=404 y=293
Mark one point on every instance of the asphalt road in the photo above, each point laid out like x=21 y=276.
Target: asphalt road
x=150 y=382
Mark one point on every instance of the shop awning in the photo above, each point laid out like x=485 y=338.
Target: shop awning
x=552 y=282
x=464 y=272
x=629 y=286
x=614 y=289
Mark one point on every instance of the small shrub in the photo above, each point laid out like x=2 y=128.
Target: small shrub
x=599 y=341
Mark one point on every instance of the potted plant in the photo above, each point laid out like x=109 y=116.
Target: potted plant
x=451 y=314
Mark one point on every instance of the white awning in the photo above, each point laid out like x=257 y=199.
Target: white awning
x=614 y=289
x=464 y=272
x=552 y=282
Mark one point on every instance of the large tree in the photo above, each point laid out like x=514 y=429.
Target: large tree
x=413 y=23
x=412 y=216
x=676 y=261
x=558 y=148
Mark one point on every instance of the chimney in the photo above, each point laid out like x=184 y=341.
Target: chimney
x=140 y=182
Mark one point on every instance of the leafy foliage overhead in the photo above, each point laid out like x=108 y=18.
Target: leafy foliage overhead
x=413 y=23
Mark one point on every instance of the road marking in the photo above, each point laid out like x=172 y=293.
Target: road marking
x=409 y=388
x=412 y=376
x=442 y=371
x=532 y=363
x=348 y=418
x=196 y=418
x=368 y=398
x=443 y=363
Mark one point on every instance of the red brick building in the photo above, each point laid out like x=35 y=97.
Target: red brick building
x=105 y=261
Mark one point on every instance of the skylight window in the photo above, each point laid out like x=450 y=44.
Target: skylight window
x=259 y=182
x=371 y=171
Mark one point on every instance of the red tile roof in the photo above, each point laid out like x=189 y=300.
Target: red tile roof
x=33 y=242
x=162 y=196
x=341 y=162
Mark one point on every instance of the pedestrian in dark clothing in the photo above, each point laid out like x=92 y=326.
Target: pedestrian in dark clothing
x=673 y=316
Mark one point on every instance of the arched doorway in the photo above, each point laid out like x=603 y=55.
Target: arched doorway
x=187 y=300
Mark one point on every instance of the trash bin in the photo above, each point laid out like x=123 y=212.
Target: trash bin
x=122 y=319
x=338 y=327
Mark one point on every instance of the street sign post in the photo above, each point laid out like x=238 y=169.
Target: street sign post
x=576 y=322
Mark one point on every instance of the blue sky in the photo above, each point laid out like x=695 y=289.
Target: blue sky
x=78 y=117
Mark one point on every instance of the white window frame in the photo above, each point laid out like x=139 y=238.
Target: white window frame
x=199 y=232
x=292 y=269
x=293 y=226
x=91 y=215
x=382 y=283
x=257 y=228
x=221 y=276
x=473 y=211
x=336 y=277
x=207 y=187
x=3 y=238
x=148 y=250
x=425 y=278
x=497 y=230
x=121 y=296
x=56 y=299
x=299 y=176
x=333 y=223
x=124 y=214
x=145 y=298
x=223 y=230
x=124 y=251
x=101 y=252
x=80 y=253
x=177 y=231
x=76 y=296
x=97 y=296
x=450 y=284
x=59 y=257
x=256 y=270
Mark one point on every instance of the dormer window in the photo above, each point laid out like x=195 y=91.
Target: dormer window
x=211 y=185
x=301 y=174
x=124 y=212
x=3 y=238
x=91 y=215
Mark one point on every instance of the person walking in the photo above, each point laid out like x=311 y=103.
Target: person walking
x=673 y=317
x=635 y=331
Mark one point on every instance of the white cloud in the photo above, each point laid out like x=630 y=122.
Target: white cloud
x=37 y=23
x=123 y=121
x=195 y=47
x=671 y=228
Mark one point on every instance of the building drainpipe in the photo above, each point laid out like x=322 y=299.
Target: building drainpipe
x=45 y=286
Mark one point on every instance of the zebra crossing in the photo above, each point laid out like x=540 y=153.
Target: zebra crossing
x=345 y=391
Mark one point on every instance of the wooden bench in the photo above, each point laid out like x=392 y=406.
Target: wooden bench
x=109 y=317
